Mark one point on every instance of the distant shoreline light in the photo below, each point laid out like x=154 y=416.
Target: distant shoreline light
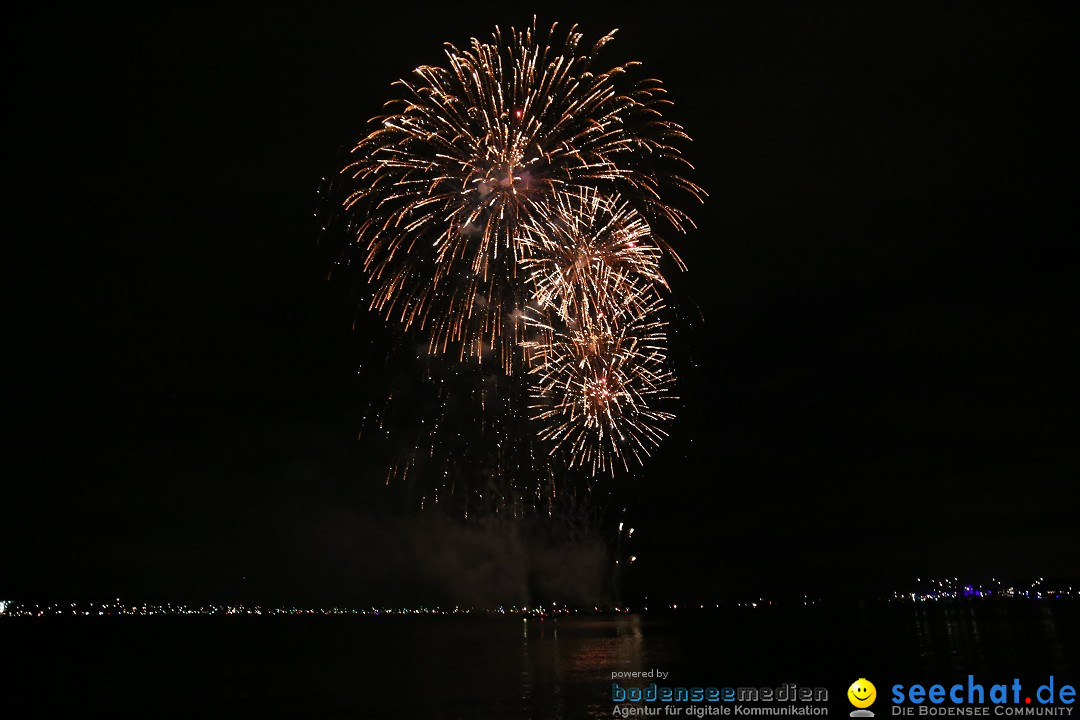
x=947 y=590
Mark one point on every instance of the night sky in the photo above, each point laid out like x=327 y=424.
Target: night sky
x=878 y=347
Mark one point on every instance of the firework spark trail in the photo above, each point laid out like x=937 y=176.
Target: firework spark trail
x=476 y=152
x=462 y=439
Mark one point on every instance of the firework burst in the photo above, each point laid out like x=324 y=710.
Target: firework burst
x=509 y=208
x=446 y=193
x=599 y=381
x=591 y=250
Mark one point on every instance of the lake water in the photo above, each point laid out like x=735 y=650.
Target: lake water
x=481 y=668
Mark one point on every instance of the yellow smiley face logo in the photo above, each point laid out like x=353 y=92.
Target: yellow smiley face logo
x=862 y=693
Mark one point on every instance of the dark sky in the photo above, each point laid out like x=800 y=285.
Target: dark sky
x=882 y=383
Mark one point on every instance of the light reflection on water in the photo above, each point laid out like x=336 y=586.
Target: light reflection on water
x=1054 y=645
x=488 y=669
x=570 y=678
x=957 y=639
x=571 y=675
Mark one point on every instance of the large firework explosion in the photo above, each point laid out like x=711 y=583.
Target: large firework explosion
x=445 y=185
x=508 y=209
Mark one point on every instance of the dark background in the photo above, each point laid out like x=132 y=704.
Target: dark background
x=881 y=384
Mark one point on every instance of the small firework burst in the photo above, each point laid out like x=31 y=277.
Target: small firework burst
x=599 y=383
x=590 y=250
